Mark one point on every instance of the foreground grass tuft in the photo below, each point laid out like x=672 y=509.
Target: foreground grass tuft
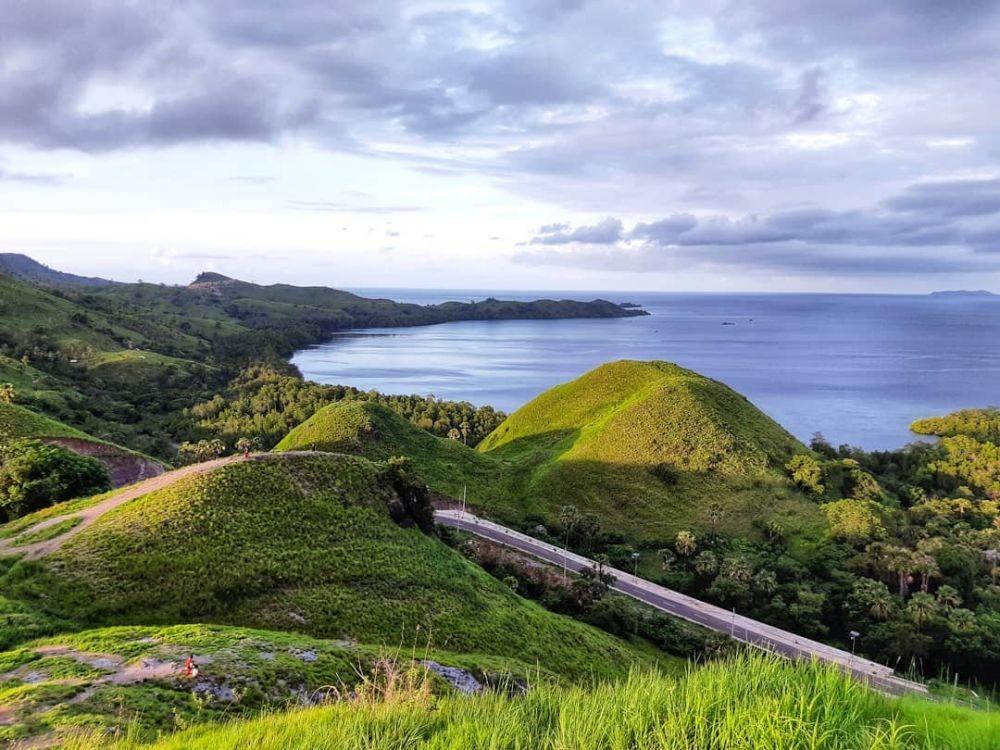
x=750 y=701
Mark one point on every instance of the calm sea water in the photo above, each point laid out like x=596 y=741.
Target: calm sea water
x=858 y=368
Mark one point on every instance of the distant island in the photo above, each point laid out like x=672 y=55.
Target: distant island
x=963 y=293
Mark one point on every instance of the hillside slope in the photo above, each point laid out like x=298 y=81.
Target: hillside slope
x=650 y=448
x=304 y=543
x=51 y=687
x=647 y=447
x=124 y=466
x=28 y=269
x=372 y=430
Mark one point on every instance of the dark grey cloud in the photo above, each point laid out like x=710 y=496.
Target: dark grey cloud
x=950 y=198
x=934 y=228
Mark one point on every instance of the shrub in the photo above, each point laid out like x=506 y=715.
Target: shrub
x=34 y=475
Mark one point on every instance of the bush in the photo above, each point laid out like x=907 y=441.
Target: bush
x=34 y=475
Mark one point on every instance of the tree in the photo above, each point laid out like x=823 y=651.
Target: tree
x=927 y=567
x=806 y=473
x=590 y=587
x=899 y=560
x=34 y=475
x=666 y=557
x=706 y=563
x=685 y=543
x=203 y=450
x=854 y=521
x=921 y=608
x=961 y=620
x=872 y=598
x=454 y=434
x=948 y=598
x=7 y=393
x=247 y=444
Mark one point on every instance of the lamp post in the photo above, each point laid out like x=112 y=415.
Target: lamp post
x=635 y=564
x=854 y=640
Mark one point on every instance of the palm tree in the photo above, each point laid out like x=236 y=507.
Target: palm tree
x=926 y=566
x=961 y=620
x=7 y=393
x=706 y=563
x=666 y=556
x=948 y=598
x=899 y=560
x=921 y=608
x=685 y=543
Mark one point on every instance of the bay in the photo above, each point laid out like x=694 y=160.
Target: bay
x=858 y=368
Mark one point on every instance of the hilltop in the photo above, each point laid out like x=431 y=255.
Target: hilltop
x=648 y=447
x=27 y=269
x=372 y=430
x=124 y=466
x=308 y=543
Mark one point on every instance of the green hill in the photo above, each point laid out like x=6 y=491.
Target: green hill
x=124 y=466
x=304 y=543
x=375 y=431
x=651 y=448
x=18 y=422
x=648 y=447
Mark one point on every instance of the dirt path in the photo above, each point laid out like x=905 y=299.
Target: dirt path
x=93 y=512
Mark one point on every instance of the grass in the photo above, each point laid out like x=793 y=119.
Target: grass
x=18 y=422
x=13 y=528
x=52 y=694
x=299 y=543
x=750 y=701
x=49 y=532
x=648 y=447
x=376 y=432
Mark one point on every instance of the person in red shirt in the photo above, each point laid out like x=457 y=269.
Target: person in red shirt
x=190 y=668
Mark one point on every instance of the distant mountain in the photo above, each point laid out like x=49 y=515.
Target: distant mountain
x=28 y=269
x=963 y=293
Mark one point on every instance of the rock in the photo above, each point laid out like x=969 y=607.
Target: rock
x=463 y=681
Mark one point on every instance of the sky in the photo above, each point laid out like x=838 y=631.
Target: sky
x=754 y=145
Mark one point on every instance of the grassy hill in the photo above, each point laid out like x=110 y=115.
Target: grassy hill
x=375 y=431
x=124 y=466
x=749 y=702
x=109 y=677
x=649 y=447
x=301 y=543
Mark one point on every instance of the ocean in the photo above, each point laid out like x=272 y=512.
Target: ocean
x=857 y=368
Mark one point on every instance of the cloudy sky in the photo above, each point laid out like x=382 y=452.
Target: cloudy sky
x=561 y=144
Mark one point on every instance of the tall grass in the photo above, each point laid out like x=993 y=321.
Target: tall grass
x=749 y=702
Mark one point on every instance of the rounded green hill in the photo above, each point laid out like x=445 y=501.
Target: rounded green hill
x=648 y=447
x=304 y=543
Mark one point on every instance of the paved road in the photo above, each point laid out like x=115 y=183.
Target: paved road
x=715 y=618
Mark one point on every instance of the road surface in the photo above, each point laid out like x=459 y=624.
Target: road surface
x=666 y=600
